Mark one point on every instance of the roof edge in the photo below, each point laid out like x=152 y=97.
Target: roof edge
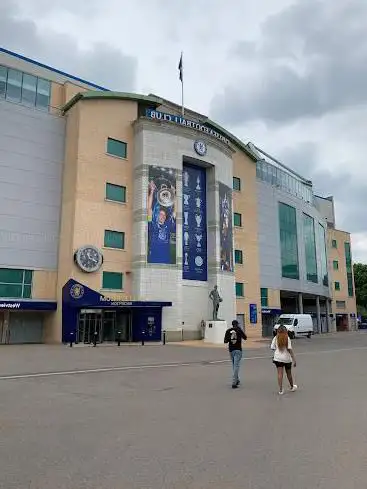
x=155 y=100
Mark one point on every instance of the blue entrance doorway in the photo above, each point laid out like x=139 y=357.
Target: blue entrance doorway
x=87 y=314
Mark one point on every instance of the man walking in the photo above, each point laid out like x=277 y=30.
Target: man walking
x=234 y=337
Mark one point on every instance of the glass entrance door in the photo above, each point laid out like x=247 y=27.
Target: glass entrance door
x=90 y=322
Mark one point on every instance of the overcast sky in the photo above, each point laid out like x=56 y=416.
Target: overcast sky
x=288 y=75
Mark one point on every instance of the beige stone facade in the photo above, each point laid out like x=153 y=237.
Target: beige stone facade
x=84 y=117
x=343 y=300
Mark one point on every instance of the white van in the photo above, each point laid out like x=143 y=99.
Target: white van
x=296 y=324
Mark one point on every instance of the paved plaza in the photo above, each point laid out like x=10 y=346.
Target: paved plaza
x=165 y=417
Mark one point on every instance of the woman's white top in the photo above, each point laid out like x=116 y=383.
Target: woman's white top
x=281 y=355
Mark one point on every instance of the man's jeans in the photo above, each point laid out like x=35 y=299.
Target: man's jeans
x=236 y=357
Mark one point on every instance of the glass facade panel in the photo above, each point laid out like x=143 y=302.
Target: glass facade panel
x=23 y=88
x=14 y=85
x=3 y=77
x=348 y=264
x=310 y=248
x=323 y=255
x=29 y=90
x=16 y=283
x=288 y=241
x=112 y=280
x=279 y=178
x=43 y=94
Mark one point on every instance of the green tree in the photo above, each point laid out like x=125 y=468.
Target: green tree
x=360 y=281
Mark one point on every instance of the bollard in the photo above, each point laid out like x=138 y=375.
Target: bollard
x=71 y=339
x=118 y=338
x=164 y=336
x=142 y=337
x=95 y=338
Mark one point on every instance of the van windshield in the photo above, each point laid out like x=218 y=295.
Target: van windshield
x=285 y=321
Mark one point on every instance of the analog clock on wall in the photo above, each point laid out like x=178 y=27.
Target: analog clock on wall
x=200 y=147
x=88 y=258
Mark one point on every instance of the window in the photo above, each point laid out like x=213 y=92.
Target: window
x=334 y=244
x=237 y=218
x=3 y=76
x=236 y=183
x=310 y=248
x=238 y=256
x=116 y=193
x=323 y=256
x=288 y=241
x=335 y=265
x=116 y=148
x=14 y=85
x=337 y=285
x=43 y=94
x=114 y=239
x=16 y=283
x=112 y=280
x=348 y=263
x=239 y=289
x=264 y=297
x=24 y=88
x=29 y=90
x=340 y=304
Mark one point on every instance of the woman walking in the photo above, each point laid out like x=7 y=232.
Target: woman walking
x=283 y=357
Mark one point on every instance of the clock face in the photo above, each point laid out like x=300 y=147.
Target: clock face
x=200 y=148
x=89 y=258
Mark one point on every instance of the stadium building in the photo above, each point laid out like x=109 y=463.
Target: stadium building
x=118 y=214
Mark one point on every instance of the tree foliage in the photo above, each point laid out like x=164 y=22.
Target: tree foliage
x=360 y=281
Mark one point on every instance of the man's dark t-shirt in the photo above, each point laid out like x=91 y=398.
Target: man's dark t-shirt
x=234 y=337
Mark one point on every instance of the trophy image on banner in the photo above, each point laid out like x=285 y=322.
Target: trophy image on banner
x=198 y=202
x=186 y=178
x=198 y=183
x=186 y=259
x=198 y=219
x=186 y=238
x=186 y=217
x=186 y=199
x=198 y=237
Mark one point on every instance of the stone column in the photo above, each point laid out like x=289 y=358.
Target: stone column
x=318 y=314
x=300 y=303
x=328 y=319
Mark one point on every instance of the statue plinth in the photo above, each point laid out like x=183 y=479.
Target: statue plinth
x=215 y=331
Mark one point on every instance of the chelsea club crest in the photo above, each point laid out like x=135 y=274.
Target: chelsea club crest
x=77 y=291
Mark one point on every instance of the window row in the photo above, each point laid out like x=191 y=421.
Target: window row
x=285 y=181
x=23 y=88
x=16 y=283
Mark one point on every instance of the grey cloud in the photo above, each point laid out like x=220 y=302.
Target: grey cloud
x=101 y=64
x=311 y=60
x=348 y=191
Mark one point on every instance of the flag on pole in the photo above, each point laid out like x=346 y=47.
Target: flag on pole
x=180 y=68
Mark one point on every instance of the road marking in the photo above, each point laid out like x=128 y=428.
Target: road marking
x=161 y=365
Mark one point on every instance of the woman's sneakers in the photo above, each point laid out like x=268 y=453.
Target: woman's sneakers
x=292 y=389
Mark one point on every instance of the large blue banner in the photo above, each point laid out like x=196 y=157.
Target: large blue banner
x=194 y=232
x=226 y=230
x=161 y=215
